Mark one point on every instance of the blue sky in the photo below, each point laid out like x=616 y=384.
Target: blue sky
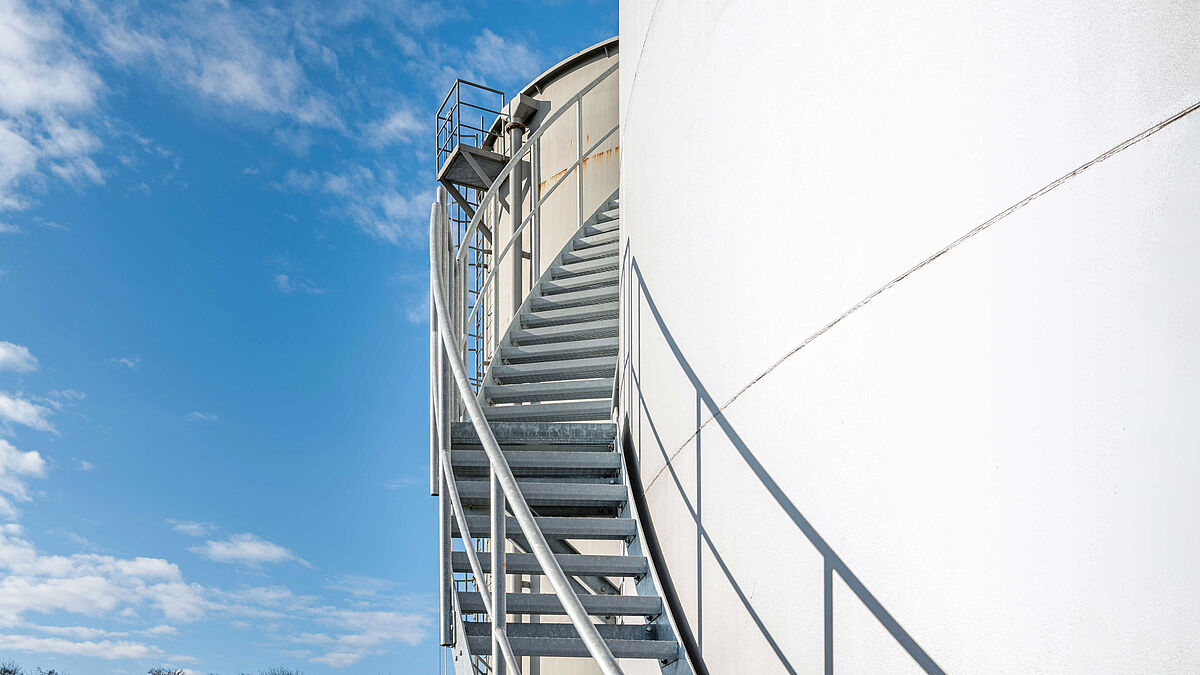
x=213 y=338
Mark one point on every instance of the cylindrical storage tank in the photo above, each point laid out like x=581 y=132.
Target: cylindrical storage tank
x=991 y=466
x=581 y=192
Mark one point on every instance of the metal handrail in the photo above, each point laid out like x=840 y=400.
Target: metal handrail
x=504 y=476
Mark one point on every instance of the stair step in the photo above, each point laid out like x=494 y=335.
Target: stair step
x=560 y=351
x=603 y=226
x=577 y=298
x=563 y=333
x=572 y=315
x=573 y=564
x=548 y=603
x=573 y=495
x=599 y=279
x=532 y=392
x=662 y=650
x=570 y=268
x=630 y=641
x=474 y=463
x=590 y=240
x=609 y=214
x=572 y=369
x=602 y=251
x=598 y=529
x=538 y=434
x=565 y=411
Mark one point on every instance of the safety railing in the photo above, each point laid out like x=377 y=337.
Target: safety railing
x=453 y=394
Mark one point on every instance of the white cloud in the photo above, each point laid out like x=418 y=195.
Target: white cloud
x=17 y=358
x=502 y=59
x=285 y=283
x=239 y=58
x=15 y=468
x=402 y=125
x=85 y=465
x=6 y=228
x=198 y=416
x=44 y=81
x=246 y=549
x=16 y=410
x=373 y=200
x=132 y=362
x=191 y=528
x=104 y=649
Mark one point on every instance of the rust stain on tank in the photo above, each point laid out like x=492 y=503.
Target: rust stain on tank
x=607 y=154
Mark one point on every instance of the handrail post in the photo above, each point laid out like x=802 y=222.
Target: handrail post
x=499 y=571
x=515 y=131
x=440 y=430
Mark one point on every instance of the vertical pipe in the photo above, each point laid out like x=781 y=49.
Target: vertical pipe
x=440 y=432
x=579 y=162
x=515 y=131
x=499 y=572
x=535 y=228
x=535 y=662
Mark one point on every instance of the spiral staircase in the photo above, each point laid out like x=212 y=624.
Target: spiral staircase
x=547 y=397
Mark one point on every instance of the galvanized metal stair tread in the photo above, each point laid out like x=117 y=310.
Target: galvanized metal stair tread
x=549 y=603
x=580 y=527
x=569 y=268
x=574 y=647
x=556 y=639
x=572 y=349
x=539 y=462
x=554 y=390
x=591 y=253
x=551 y=287
x=574 y=564
x=571 y=315
x=462 y=434
x=564 y=332
x=554 y=370
x=576 y=298
x=547 y=494
x=556 y=411
x=600 y=226
x=589 y=240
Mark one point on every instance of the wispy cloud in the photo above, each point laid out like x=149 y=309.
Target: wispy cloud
x=15 y=468
x=46 y=84
x=374 y=200
x=132 y=362
x=17 y=410
x=17 y=358
x=501 y=59
x=103 y=649
x=246 y=549
x=191 y=528
x=198 y=416
x=287 y=283
x=85 y=465
x=401 y=125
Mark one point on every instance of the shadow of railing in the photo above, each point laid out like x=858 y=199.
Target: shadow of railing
x=833 y=563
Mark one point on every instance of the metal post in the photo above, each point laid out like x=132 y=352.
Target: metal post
x=515 y=131
x=535 y=177
x=535 y=662
x=440 y=432
x=579 y=161
x=499 y=572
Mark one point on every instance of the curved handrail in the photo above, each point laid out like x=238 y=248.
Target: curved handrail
x=504 y=476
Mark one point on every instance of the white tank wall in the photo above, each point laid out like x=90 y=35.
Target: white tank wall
x=1005 y=446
